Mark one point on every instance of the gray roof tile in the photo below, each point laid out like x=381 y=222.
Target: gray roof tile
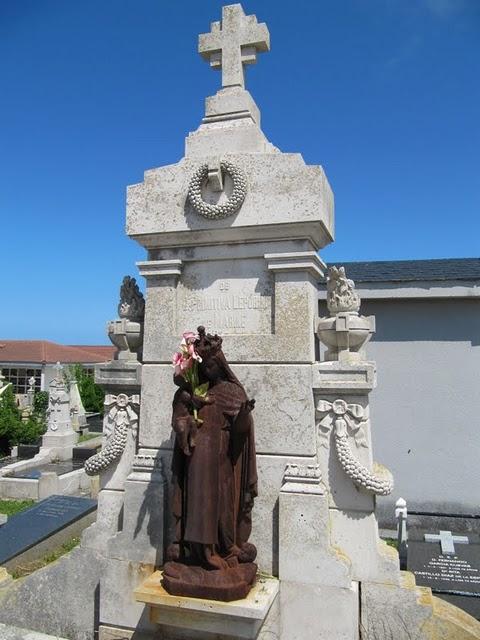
x=412 y=270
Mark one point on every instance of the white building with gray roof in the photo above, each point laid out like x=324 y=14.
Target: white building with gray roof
x=426 y=408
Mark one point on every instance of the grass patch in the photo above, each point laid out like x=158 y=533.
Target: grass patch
x=88 y=436
x=26 y=569
x=11 y=507
x=392 y=542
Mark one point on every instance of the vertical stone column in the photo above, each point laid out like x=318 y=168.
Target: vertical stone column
x=317 y=596
x=296 y=275
x=341 y=387
x=117 y=378
x=137 y=549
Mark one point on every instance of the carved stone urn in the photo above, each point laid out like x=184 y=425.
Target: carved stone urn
x=345 y=335
x=126 y=333
x=344 y=332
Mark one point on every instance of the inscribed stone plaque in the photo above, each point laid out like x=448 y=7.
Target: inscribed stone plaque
x=457 y=576
x=227 y=297
x=26 y=529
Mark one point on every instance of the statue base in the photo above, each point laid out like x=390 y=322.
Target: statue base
x=207 y=618
x=232 y=583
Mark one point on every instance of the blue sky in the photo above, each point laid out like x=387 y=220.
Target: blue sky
x=385 y=94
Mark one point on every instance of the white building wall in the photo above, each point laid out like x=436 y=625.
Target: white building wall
x=426 y=408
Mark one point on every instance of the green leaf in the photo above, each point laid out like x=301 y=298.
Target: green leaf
x=201 y=390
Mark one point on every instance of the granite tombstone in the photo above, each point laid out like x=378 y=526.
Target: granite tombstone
x=449 y=565
x=36 y=524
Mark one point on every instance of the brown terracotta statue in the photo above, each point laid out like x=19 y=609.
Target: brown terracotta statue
x=215 y=482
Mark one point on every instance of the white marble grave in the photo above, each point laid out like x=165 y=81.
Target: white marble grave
x=60 y=438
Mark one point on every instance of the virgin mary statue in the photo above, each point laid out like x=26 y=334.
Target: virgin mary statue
x=214 y=482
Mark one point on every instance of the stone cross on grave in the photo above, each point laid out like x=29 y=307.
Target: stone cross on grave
x=232 y=43
x=446 y=541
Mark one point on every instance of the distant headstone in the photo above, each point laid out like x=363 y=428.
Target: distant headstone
x=58 y=412
x=453 y=574
x=31 y=392
x=59 y=439
x=77 y=410
x=28 y=528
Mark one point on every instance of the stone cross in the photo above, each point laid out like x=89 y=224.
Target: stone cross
x=446 y=541
x=233 y=43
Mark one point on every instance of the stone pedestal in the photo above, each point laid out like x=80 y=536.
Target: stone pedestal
x=341 y=391
x=238 y=619
x=115 y=377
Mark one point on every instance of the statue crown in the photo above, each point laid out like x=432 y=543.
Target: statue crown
x=207 y=344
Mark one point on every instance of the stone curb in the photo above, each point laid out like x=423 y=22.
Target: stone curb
x=15 y=633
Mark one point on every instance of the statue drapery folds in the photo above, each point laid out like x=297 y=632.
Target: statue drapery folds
x=215 y=481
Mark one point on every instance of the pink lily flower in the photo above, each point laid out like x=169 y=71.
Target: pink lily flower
x=186 y=364
x=192 y=353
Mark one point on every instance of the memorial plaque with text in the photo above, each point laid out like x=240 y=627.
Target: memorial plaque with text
x=457 y=575
x=227 y=297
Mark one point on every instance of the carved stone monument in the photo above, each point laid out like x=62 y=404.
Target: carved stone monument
x=60 y=438
x=232 y=233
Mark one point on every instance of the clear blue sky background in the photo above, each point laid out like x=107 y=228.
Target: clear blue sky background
x=385 y=94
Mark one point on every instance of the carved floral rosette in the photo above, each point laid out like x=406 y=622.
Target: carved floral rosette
x=347 y=418
x=121 y=418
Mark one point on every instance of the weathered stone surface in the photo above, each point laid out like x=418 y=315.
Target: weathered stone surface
x=355 y=534
x=265 y=533
x=251 y=296
x=406 y=611
x=15 y=633
x=60 y=599
x=122 y=375
x=234 y=43
x=305 y=552
x=108 y=522
x=240 y=618
x=5 y=577
x=284 y=427
x=282 y=190
x=311 y=612
x=117 y=606
x=144 y=520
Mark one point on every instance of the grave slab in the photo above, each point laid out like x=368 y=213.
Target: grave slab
x=35 y=525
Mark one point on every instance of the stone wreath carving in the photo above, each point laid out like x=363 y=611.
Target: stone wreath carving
x=121 y=418
x=345 y=417
x=217 y=211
